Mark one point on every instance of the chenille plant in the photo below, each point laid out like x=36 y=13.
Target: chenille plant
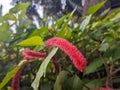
x=68 y=55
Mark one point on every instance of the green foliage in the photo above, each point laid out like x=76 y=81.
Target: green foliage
x=32 y=41
x=60 y=80
x=116 y=17
x=94 y=84
x=98 y=39
x=43 y=32
x=93 y=66
x=60 y=21
x=64 y=30
x=8 y=16
x=5 y=34
x=85 y=22
x=11 y=74
x=92 y=10
x=42 y=70
x=74 y=83
x=20 y=9
x=104 y=47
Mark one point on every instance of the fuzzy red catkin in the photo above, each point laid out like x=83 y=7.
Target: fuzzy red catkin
x=75 y=55
x=15 y=80
x=30 y=54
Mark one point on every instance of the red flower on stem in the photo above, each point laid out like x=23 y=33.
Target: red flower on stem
x=29 y=54
x=15 y=80
x=75 y=55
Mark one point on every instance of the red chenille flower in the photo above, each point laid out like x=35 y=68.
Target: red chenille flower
x=29 y=54
x=15 y=80
x=75 y=55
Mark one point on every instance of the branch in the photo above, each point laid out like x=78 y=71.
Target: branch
x=113 y=73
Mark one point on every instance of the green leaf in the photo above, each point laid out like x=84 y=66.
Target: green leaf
x=96 y=83
x=65 y=33
x=104 y=13
x=60 y=21
x=107 y=24
x=11 y=74
x=42 y=69
x=43 y=31
x=64 y=26
x=60 y=80
x=114 y=53
x=92 y=10
x=21 y=8
x=5 y=34
x=116 y=17
x=93 y=66
x=112 y=15
x=104 y=47
x=9 y=16
x=117 y=53
x=5 y=26
x=73 y=83
x=32 y=41
x=18 y=7
x=85 y=22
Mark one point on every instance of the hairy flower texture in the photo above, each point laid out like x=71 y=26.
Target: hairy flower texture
x=75 y=55
x=29 y=54
x=102 y=89
x=15 y=80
